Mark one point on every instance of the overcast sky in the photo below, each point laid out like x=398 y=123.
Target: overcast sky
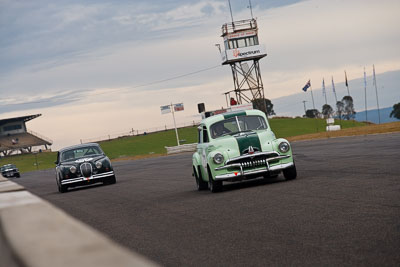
x=94 y=68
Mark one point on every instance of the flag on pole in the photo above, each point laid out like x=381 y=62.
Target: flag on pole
x=308 y=85
x=165 y=109
x=178 y=107
x=333 y=86
x=345 y=77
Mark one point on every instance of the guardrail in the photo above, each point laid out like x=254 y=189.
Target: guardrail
x=37 y=234
x=181 y=148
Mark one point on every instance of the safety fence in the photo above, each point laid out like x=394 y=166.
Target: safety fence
x=134 y=132
x=181 y=148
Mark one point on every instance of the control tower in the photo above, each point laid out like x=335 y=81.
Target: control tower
x=243 y=52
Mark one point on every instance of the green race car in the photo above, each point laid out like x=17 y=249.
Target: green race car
x=237 y=146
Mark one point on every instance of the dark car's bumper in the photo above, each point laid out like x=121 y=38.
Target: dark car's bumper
x=11 y=174
x=95 y=178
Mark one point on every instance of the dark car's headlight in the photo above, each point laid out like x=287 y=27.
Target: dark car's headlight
x=72 y=169
x=99 y=164
x=284 y=147
x=218 y=158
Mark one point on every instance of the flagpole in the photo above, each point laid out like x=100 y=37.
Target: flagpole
x=365 y=91
x=334 y=92
x=376 y=91
x=312 y=96
x=305 y=109
x=324 y=90
x=176 y=130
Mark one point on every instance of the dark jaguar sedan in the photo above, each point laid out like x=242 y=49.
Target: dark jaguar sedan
x=10 y=170
x=82 y=165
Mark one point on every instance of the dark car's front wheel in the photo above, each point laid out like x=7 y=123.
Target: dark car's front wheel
x=290 y=173
x=61 y=188
x=111 y=180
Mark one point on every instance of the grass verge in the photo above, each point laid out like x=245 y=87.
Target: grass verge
x=368 y=129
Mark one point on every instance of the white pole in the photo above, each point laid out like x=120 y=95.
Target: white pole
x=312 y=96
x=176 y=130
x=376 y=91
x=365 y=91
x=334 y=90
x=324 y=91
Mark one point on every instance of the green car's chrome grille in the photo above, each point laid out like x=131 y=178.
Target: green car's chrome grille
x=253 y=161
x=256 y=158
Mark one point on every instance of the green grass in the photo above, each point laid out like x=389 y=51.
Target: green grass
x=27 y=162
x=154 y=143
x=285 y=127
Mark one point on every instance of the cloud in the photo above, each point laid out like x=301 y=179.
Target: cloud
x=87 y=56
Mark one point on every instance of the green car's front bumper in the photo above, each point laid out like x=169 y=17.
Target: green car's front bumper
x=253 y=165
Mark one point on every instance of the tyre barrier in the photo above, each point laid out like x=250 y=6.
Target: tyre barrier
x=40 y=235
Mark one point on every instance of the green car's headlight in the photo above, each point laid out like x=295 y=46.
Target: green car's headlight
x=284 y=147
x=72 y=169
x=218 y=158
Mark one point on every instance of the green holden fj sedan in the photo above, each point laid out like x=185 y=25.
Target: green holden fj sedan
x=237 y=146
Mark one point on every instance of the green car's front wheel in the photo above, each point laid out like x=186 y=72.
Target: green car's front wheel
x=200 y=183
x=290 y=173
x=215 y=186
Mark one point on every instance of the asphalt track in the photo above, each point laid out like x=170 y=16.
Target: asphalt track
x=343 y=209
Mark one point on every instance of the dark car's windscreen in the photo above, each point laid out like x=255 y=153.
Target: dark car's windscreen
x=9 y=166
x=80 y=153
x=231 y=126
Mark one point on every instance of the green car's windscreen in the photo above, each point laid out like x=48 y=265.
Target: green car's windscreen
x=231 y=126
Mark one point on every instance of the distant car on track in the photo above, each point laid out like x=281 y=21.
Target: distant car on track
x=10 y=170
x=82 y=165
x=236 y=146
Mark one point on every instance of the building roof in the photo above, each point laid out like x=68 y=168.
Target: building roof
x=16 y=119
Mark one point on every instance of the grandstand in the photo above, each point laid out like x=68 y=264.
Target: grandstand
x=16 y=138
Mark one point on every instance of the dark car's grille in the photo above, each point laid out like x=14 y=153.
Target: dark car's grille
x=255 y=161
x=86 y=169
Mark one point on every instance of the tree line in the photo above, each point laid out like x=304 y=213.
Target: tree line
x=344 y=110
